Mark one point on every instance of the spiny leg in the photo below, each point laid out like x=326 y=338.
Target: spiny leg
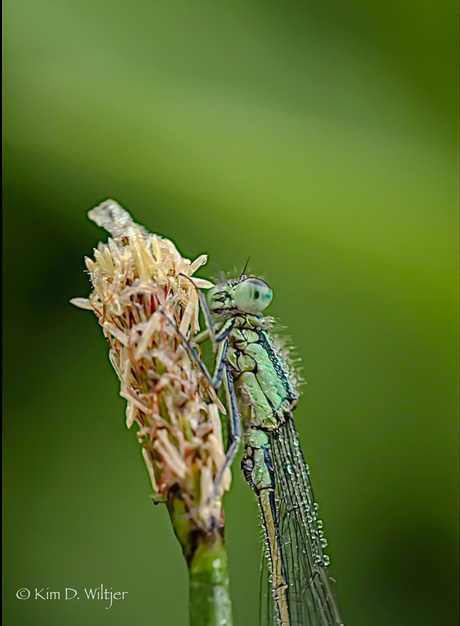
x=216 y=379
x=235 y=430
x=207 y=315
x=208 y=333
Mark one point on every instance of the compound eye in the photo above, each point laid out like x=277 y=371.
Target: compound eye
x=252 y=295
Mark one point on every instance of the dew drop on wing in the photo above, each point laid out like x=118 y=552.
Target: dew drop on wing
x=311 y=598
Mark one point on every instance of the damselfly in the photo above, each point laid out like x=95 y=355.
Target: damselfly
x=262 y=393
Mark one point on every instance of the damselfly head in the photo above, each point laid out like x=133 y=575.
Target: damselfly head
x=246 y=295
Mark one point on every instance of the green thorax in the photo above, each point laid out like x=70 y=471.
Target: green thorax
x=265 y=385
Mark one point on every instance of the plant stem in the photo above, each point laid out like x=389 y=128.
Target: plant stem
x=206 y=556
x=210 y=602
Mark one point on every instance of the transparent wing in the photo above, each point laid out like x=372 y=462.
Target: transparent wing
x=311 y=598
x=267 y=613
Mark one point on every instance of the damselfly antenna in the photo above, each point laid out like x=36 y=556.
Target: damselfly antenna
x=243 y=273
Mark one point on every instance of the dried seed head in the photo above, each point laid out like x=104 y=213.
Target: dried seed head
x=142 y=294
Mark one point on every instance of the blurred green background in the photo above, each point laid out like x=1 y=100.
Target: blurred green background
x=319 y=138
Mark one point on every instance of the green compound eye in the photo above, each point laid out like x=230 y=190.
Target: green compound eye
x=252 y=295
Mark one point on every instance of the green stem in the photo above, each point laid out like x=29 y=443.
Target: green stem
x=206 y=556
x=210 y=602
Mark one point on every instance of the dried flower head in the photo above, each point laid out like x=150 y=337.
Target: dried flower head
x=142 y=295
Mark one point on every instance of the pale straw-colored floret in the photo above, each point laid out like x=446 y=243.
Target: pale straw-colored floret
x=143 y=294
